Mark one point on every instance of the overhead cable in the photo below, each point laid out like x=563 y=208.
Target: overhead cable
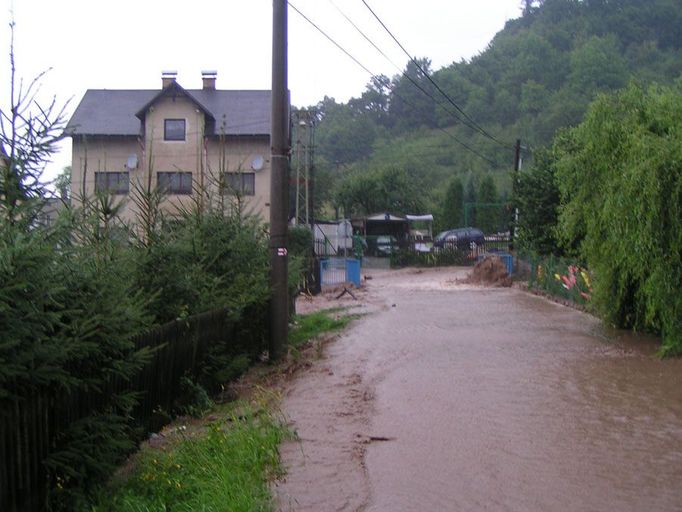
x=466 y=122
x=476 y=126
x=379 y=78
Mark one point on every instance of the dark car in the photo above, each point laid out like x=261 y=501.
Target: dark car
x=460 y=238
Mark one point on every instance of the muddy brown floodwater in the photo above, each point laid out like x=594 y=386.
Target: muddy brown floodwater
x=447 y=397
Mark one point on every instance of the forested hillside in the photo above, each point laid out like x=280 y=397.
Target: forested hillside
x=537 y=75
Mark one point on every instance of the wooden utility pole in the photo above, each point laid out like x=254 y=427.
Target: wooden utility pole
x=279 y=184
x=517 y=156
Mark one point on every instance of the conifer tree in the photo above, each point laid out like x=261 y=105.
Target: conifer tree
x=488 y=216
x=453 y=205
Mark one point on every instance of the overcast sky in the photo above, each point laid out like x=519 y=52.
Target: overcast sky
x=90 y=44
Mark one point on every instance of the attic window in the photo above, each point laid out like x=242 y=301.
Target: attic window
x=174 y=129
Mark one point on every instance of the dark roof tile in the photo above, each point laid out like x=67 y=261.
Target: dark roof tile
x=113 y=112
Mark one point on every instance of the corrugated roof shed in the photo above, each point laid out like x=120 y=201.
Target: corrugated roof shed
x=113 y=112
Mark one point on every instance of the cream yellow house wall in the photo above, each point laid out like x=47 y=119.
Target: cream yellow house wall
x=200 y=156
x=91 y=155
x=240 y=152
x=99 y=154
x=173 y=156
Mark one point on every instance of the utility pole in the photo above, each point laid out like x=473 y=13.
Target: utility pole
x=279 y=191
x=298 y=172
x=515 y=179
x=312 y=118
x=304 y=125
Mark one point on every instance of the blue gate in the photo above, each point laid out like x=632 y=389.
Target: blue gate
x=338 y=271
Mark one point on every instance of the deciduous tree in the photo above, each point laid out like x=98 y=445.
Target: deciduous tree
x=621 y=192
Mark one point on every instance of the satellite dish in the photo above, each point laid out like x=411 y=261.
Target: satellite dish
x=257 y=163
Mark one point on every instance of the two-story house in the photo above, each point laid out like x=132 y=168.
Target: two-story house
x=185 y=142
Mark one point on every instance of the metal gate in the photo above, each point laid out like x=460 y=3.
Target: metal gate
x=338 y=271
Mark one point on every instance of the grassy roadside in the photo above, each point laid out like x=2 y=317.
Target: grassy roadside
x=225 y=460
x=224 y=463
x=313 y=325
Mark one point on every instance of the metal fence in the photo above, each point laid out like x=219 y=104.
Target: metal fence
x=557 y=276
x=491 y=243
x=30 y=427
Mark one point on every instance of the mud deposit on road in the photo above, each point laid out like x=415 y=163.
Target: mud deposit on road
x=456 y=397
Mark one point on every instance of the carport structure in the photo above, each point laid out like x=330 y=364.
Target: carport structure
x=382 y=224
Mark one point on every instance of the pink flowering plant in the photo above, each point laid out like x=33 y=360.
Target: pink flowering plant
x=563 y=279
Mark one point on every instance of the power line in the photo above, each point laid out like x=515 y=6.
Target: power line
x=331 y=40
x=365 y=36
x=405 y=74
x=466 y=146
x=328 y=37
x=478 y=128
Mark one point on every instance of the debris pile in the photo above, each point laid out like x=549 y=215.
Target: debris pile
x=490 y=271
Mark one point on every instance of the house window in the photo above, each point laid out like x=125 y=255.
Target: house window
x=174 y=129
x=175 y=182
x=240 y=183
x=112 y=182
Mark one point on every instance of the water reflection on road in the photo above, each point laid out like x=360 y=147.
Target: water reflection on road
x=499 y=400
x=456 y=398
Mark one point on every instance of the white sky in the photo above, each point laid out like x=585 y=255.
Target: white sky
x=91 y=44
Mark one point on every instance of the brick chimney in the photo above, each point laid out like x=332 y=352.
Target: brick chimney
x=167 y=78
x=208 y=79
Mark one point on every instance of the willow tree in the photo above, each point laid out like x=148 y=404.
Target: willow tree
x=620 y=178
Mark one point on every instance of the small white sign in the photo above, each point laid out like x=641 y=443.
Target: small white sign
x=281 y=251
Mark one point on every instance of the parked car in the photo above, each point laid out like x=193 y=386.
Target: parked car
x=386 y=244
x=460 y=238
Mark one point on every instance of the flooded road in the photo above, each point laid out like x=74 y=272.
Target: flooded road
x=450 y=397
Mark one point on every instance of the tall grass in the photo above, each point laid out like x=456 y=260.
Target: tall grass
x=307 y=327
x=225 y=466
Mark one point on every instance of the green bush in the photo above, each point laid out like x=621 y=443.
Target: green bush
x=204 y=261
x=620 y=178
x=536 y=195
x=300 y=242
x=73 y=298
x=193 y=400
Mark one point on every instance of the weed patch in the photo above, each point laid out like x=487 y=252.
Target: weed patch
x=224 y=466
x=308 y=327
